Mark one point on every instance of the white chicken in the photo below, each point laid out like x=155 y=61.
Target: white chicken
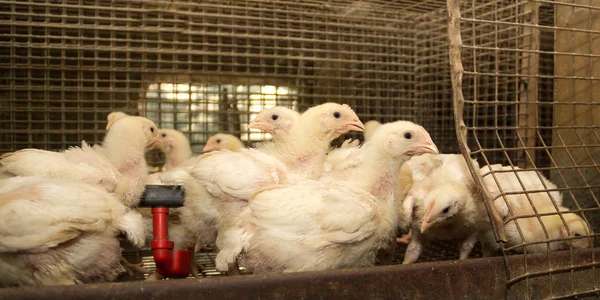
x=304 y=149
x=113 y=117
x=277 y=121
x=340 y=160
x=222 y=141
x=119 y=166
x=336 y=165
x=441 y=204
x=214 y=197
x=510 y=182
x=336 y=162
x=176 y=147
x=327 y=224
x=370 y=127
x=518 y=204
x=336 y=157
x=61 y=231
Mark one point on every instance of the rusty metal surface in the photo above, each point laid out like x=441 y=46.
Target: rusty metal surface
x=480 y=278
x=562 y=274
x=442 y=280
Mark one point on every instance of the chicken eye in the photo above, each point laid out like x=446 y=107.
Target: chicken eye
x=164 y=135
x=577 y=235
x=274 y=117
x=445 y=211
x=408 y=135
x=337 y=115
x=152 y=129
x=218 y=141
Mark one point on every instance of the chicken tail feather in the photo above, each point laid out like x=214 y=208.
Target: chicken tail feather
x=132 y=225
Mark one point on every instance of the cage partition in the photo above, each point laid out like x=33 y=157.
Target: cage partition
x=524 y=76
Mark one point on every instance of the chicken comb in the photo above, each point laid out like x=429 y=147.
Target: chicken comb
x=348 y=107
x=113 y=117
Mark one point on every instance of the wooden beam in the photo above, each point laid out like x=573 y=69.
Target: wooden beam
x=576 y=109
x=530 y=63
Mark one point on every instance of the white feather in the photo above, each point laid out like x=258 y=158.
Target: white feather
x=59 y=231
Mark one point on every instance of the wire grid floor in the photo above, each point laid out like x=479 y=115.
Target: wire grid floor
x=435 y=251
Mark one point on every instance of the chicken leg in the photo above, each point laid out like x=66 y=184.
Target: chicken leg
x=234 y=269
x=466 y=246
x=195 y=265
x=405 y=238
x=133 y=269
x=414 y=249
x=154 y=277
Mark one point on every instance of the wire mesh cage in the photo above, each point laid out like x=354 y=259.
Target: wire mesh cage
x=521 y=74
x=200 y=67
x=527 y=101
x=204 y=67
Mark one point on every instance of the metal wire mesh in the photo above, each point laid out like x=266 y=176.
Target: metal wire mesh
x=209 y=66
x=433 y=88
x=200 y=67
x=528 y=89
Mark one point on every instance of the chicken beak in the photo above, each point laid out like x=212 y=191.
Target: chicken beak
x=208 y=148
x=353 y=125
x=157 y=144
x=428 y=146
x=425 y=225
x=255 y=124
x=109 y=123
x=260 y=125
x=356 y=125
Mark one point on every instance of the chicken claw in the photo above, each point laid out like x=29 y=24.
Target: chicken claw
x=405 y=238
x=133 y=269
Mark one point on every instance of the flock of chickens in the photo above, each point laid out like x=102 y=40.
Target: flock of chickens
x=289 y=204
